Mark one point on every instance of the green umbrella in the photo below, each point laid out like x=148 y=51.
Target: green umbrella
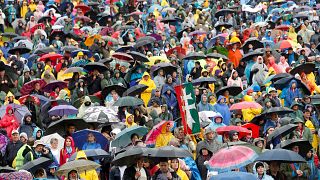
x=128 y=101
x=124 y=137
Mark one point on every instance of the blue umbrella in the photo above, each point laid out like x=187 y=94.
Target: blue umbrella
x=213 y=41
x=234 y=175
x=80 y=63
x=80 y=138
x=86 y=52
x=63 y=110
x=124 y=137
x=153 y=7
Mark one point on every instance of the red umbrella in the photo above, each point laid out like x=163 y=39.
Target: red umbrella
x=179 y=50
x=84 y=8
x=245 y=105
x=226 y=129
x=156 y=131
x=122 y=56
x=282 y=27
x=33 y=98
x=254 y=129
x=28 y=87
x=53 y=58
x=284 y=44
x=37 y=26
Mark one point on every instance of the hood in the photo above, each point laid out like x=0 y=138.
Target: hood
x=201 y=99
x=164 y=126
x=87 y=99
x=9 y=94
x=216 y=116
x=72 y=142
x=219 y=98
x=81 y=154
x=254 y=167
x=133 y=123
x=25 y=117
x=146 y=74
x=292 y=81
x=8 y=109
x=165 y=106
x=233 y=71
x=35 y=132
x=166 y=88
x=115 y=72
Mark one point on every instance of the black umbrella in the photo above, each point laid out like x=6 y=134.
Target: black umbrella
x=256 y=120
x=138 y=56
x=307 y=68
x=249 y=56
x=141 y=43
x=255 y=42
x=170 y=152
x=18 y=38
x=44 y=50
x=220 y=25
x=93 y=153
x=9 y=71
x=170 y=20
x=128 y=101
x=130 y=156
x=56 y=33
x=188 y=29
x=195 y=56
x=223 y=12
x=280 y=155
x=304 y=145
x=284 y=82
x=70 y=48
x=126 y=27
x=9 y=35
x=147 y=38
x=44 y=19
x=135 y=90
x=118 y=88
x=74 y=36
x=168 y=68
x=20 y=49
x=280 y=76
x=233 y=90
x=278 y=110
x=301 y=16
x=36 y=164
x=203 y=80
x=282 y=131
x=217 y=56
x=6 y=169
x=61 y=125
x=95 y=65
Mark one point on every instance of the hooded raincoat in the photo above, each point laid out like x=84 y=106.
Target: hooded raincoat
x=146 y=95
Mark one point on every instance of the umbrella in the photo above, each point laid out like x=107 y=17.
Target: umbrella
x=61 y=125
x=100 y=115
x=63 y=110
x=75 y=37
x=84 y=8
x=168 y=68
x=280 y=76
x=80 y=138
x=123 y=138
x=95 y=66
x=282 y=27
x=156 y=131
x=36 y=164
x=83 y=18
x=118 y=88
x=16 y=22
x=20 y=49
x=203 y=80
x=9 y=71
x=18 y=38
x=223 y=12
x=170 y=152
x=307 y=68
x=197 y=32
x=9 y=35
x=213 y=41
x=195 y=56
x=80 y=166
x=138 y=56
x=141 y=43
x=6 y=169
x=44 y=50
x=43 y=19
x=29 y=86
x=284 y=82
x=73 y=70
x=249 y=56
x=54 y=84
x=278 y=110
x=226 y=129
x=114 y=41
x=156 y=36
x=217 y=56
x=245 y=105
x=281 y=155
x=19 y=111
x=233 y=90
x=24 y=42
x=128 y=101
x=69 y=48
x=51 y=57
x=233 y=157
x=179 y=50
x=219 y=25
x=169 y=20
x=304 y=145
x=26 y=98
x=129 y=157
x=284 y=44
x=46 y=139
x=242 y=143
x=255 y=42
x=94 y=99
x=122 y=56
x=282 y=131
x=92 y=153
x=56 y=33
x=125 y=49
x=234 y=175
x=135 y=90
x=153 y=7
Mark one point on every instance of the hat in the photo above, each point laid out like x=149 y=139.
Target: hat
x=38 y=142
x=208 y=130
x=23 y=134
x=14 y=132
x=298 y=120
x=271 y=89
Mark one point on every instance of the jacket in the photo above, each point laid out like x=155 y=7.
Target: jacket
x=164 y=138
x=159 y=81
x=11 y=151
x=291 y=94
x=90 y=174
x=129 y=173
x=234 y=82
x=83 y=107
x=146 y=95
x=265 y=176
x=9 y=122
x=160 y=176
x=261 y=74
x=204 y=106
x=223 y=109
x=171 y=100
x=27 y=128
x=288 y=170
x=64 y=155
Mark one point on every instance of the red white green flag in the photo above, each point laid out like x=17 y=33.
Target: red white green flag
x=187 y=106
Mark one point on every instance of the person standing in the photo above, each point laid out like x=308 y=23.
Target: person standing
x=12 y=148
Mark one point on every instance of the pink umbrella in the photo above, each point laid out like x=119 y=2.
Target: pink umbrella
x=245 y=105
x=233 y=157
x=156 y=131
x=29 y=87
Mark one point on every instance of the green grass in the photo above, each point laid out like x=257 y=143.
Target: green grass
x=8 y=29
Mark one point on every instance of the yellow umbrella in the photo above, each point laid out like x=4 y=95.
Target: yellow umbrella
x=153 y=59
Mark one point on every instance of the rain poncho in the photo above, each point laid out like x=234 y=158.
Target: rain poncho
x=164 y=138
x=84 y=107
x=291 y=94
x=146 y=95
x=87 y=175
x=132 y=119
x=66 y=152
x=9 y=122
x=223 y=109
x=204 y=106
x=260 y=72
x=265 y=176
x=9 y=94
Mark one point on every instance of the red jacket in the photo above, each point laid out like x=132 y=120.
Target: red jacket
x=9 y=122
x=64 y=156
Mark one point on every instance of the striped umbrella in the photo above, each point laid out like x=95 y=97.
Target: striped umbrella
x=233 y=157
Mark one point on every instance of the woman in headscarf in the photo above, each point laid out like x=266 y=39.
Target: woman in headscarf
x=67 y=150
x=175 y=165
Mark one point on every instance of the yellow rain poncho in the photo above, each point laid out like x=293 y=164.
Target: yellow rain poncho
x=90 y=40
x=146 y=95
x=164 y=3
x=24 y=9
x=133 y=123
x=7 y=99
x=249 y=114
x=87 y=175
x=292 y=35
x=156 y=13
x=164 y=138
x=314 y=143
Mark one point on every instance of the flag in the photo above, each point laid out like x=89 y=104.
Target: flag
x=187 y=106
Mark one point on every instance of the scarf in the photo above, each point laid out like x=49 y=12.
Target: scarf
x=69 y=150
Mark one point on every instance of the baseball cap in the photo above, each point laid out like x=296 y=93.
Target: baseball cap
x=38 y=142
x=14 y=132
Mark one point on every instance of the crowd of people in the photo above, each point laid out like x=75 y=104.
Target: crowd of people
x=88 y=89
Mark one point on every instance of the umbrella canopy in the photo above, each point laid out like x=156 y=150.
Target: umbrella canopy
x=128 y=101
x=255 y=42
x=242 y=143
x=135 y=90
x=19 y=111
x=80 y=166
x=54 y=84
x=63 y=110
x=156 y=131
x=234 y=175
x=61 y=125
x=73 y=70
x=282 y=131
x=281 y=155
x=69 y=48
x=25 y=43
x=218 y=26
x=118 y=88
x=123 y=138
x=44 y=50
x=195 y=56
x=29 y=86
x=245 y=105
x=129 y=157
x=19 y=49
x=29 y=98
x=307 y=68
x=226 y=129
x=284 y=44
x=36 y=164
x=9 y=35
x=84 y=8
x=122 y=56
x=94 y=99
x=170 y=152
x=251 y=55
x=233 y=157
x=80 y=138
x=46 y=139
x=280 y=76
x=138 y=56
x=92 y=153
x=100 y=115
x=217 y=56
x=51 y=57
x=284 y=82
x=278 y=110
x=223 y=12
x=95 y=66
x=203 y=80
x=304 y=145
x=6 y=169
x=168 y=68
x=233 y=90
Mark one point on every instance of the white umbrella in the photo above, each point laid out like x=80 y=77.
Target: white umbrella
x=26 y=43
x=15 y=23
x=57 y=27
x=40 y=32
x=47 y=139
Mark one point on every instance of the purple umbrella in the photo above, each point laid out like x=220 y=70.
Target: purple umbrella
x=156 y=36
x=54 y=84
x=62 y=110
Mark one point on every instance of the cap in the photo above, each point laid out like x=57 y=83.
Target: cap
x=38 y=142
x=14 y=132
x=208 y=130
x=23 y=134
